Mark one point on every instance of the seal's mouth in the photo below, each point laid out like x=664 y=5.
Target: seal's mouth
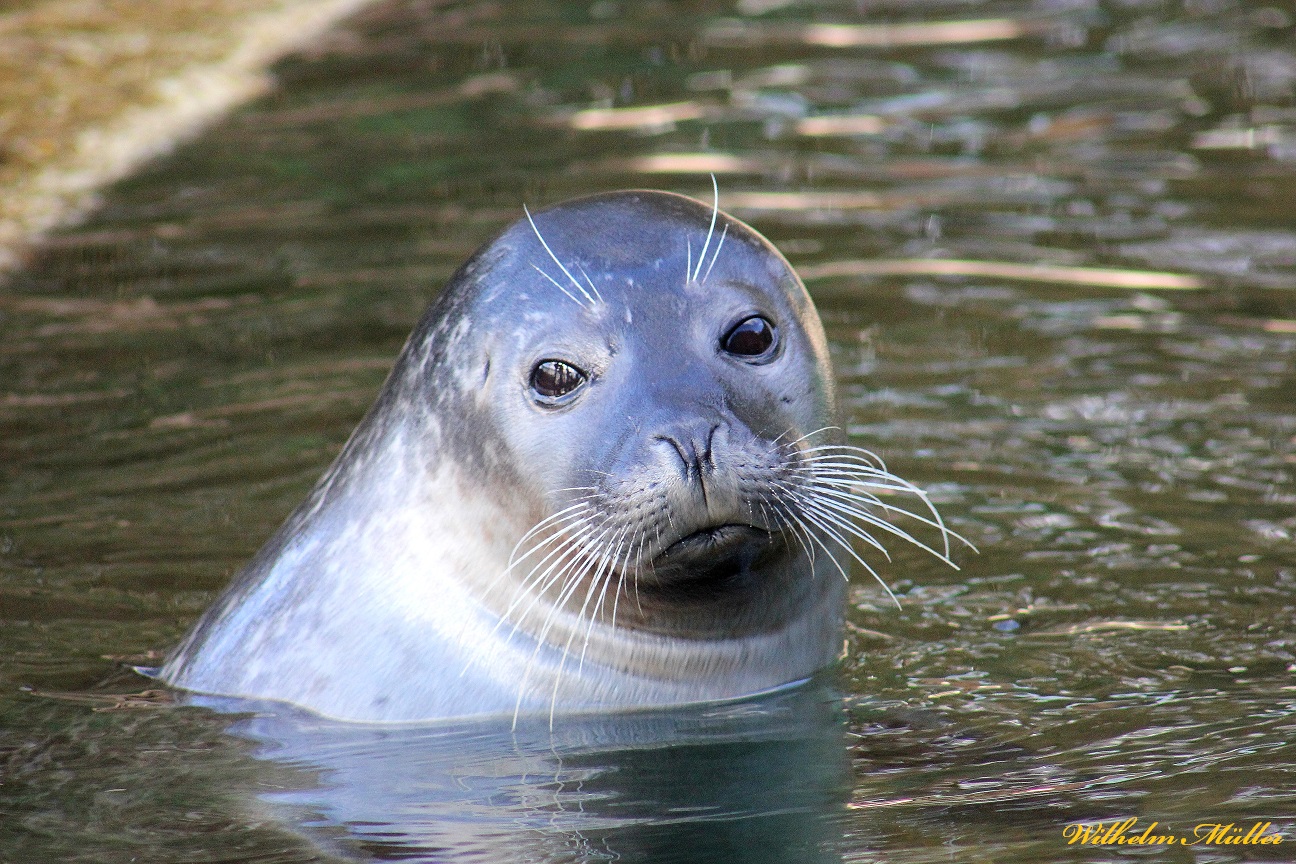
x=713 y=545
x=718 y=558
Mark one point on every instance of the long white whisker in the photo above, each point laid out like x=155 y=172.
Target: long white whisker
x=848 y=501
x=860 y=475
x=572 y=580
x=796 y=530
x=816 y=539
x=808 y=435
x=818 y=518
x=866 y=457
x=535 y=585
x=608 y=565
x=716 y=255
x=635 y=543
x=939 y=521
x=561 y=266
x=581 y=521
x=590 y=282
x=688 y=260
x=565 y=514
x=846 y=474
x=827 y=460
x=559 y=286
x=715 y=211
x=583 y=553
x=576 y=522
x=841 y=518
x=568 y=539
x=834 y=517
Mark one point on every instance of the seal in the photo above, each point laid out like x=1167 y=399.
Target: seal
x=601 y=475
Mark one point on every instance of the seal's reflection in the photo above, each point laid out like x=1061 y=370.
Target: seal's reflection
x=757 y=780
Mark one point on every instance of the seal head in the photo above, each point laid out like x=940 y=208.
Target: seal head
x=600 y=475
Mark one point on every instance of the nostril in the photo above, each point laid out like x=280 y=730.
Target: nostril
x=682 y=450
x=688 y=455
x=696 y=450
x=708 y=455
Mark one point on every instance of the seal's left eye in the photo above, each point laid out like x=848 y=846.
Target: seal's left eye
x=553 y=379
x=751 y=337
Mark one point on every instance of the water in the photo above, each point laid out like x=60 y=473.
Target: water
x=176 y=372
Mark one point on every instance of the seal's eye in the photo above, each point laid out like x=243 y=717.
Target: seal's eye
x=554 y=379
x=751 y=337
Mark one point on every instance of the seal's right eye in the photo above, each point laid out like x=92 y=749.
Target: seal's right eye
x=553 y=379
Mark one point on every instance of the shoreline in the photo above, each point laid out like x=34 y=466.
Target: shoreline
x=90 y=92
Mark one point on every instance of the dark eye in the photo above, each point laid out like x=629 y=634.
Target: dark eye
x=750 y=337
x=553 y=379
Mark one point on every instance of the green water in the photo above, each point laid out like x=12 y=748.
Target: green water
x=175 y=373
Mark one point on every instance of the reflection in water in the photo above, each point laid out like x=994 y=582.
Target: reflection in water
x=761 y=780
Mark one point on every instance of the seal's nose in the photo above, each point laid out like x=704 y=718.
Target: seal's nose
x=694 y=444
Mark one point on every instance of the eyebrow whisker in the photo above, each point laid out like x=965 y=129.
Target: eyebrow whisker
x=561 y=266
x=715 y=211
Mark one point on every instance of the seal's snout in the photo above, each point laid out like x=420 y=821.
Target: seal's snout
x=705 y=468
x=709 y=475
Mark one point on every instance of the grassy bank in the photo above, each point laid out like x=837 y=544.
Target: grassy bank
x=89 y=90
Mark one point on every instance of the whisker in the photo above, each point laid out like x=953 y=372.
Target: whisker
x=543 y=523
x=939 y=521
x=854 y=465
x=597 y=472
x=561 y=266
x=795 y=529
x=577 y=522
x=719 y=246
x=582 y=554
x=809 y=435
x=567 y=516
x=844 y=461
x=529 y=581
x=616 y=598
x=608 y=565
x=541 y=583
x=834 y=517
x=534 y=583
x=715 y=211
x=843 y=499
x=557 y=285
x=859 y=484
x=638 y=565
x=839 y=518
x=818 y=518
x=842 y=451
x=862 y=475
x=816 y=539
x=572 y=580
x=590 y=282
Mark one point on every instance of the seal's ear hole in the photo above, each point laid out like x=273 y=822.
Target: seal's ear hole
x=752 y=337
x=553 y=379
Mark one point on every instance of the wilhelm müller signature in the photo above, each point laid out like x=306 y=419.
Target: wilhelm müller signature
x=1123 y=833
